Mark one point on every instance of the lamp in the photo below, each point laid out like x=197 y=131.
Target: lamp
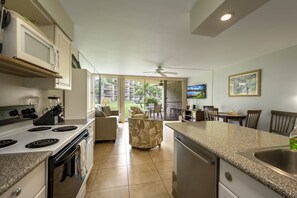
x=105 y=101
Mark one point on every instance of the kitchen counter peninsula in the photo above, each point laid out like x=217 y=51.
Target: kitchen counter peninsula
x=15 y=166
x=225 y=140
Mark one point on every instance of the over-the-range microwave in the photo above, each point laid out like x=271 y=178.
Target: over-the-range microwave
x=23 y=41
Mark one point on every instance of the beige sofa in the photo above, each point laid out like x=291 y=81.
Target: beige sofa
x=106 y=126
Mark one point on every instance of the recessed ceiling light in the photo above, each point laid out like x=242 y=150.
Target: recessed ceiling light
x=226 y=17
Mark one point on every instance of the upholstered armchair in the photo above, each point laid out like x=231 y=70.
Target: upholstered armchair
x=145 y=133
x=136 y=112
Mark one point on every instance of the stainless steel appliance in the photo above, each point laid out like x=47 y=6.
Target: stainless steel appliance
x=196 y=170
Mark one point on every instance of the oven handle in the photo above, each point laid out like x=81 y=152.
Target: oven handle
x=60 y=156
x=67 y=158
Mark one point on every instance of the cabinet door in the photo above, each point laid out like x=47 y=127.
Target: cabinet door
x=242 y=184
x=30 y=185
x=225 y=192
x=90 y=93
x=64 y=45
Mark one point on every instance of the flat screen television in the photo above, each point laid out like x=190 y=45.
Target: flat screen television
x=196 y=91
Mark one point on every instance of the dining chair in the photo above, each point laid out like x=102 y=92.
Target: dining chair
x=211 y=114
x=252 y=118
x=158 y=110
x=204 y=108
x=282 y=122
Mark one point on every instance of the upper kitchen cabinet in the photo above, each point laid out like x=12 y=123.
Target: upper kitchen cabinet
x=43 y=13
x=79 y=102
x=63 y=44
x=65 y=70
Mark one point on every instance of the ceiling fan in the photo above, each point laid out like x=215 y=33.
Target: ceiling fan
x=160 y=70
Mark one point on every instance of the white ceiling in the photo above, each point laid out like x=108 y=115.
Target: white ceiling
x=129 y=37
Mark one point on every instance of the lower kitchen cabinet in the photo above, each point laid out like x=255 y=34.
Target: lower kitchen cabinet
x=32 y=185
x=234 y=183
x=90 y=147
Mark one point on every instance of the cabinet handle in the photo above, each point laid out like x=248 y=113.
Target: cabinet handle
x=228 y=176
x=17 y=192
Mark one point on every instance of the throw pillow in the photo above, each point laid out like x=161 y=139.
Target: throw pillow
x=106 y=110
x=99 y=113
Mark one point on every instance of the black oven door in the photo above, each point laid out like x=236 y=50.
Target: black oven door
x=64 y=179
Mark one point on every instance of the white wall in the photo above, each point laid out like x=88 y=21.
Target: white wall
x=204 y=78
x=12 y=92
x=278 y=86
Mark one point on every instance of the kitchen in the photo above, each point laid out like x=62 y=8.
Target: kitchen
x=13 y=86
x=53 y=157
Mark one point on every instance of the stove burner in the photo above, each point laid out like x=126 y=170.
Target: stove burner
x=7 y=142
x=39 y=129
x=42 y=143
x=65 y=128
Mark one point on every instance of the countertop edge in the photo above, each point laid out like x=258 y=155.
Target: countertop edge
x=42 y=156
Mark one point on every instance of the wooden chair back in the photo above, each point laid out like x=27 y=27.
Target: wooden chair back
x=282 y=122
x=158 y=110
x=211 y=114
x=252 y=118
x=204 y=107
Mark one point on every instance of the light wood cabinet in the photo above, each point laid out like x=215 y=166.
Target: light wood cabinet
x=241 y=185
x=79 y=102
x=32 y=185
x=63 y=44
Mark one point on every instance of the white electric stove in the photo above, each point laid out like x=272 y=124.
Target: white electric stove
x=20 y=132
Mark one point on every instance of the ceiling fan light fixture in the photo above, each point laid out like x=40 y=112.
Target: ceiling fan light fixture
x=226 y=17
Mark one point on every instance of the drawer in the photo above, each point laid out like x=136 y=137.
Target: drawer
x=225 y=192
x=30 y=186
x=242 y=185
x=90 y=128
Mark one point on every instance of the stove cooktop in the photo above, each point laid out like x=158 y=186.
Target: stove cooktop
x=42 y=143
x=7 y=142
x=23 y=136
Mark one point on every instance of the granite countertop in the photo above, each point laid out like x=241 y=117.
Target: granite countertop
x=225 y=140
x=15 y=166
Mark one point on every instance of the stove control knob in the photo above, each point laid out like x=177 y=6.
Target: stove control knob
x=17 y=192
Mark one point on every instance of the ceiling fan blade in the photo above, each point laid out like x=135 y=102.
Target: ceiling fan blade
x=149 y=72
x=174 y=73
x=185 y=68
x=162 y=74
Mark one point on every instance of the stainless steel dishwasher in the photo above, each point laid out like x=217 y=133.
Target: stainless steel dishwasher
x=196 y=170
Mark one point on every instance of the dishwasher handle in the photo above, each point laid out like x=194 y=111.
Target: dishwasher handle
x=206 y=161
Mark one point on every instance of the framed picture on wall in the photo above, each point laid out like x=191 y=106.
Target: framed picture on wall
x=245 y=84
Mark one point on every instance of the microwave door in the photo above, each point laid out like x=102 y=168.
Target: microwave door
x=34 y=49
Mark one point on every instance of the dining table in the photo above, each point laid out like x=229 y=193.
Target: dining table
x=232 y=116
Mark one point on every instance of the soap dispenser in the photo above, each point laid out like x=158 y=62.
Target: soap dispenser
x=293 y=139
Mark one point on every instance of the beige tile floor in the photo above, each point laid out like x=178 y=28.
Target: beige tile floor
x=122 y=172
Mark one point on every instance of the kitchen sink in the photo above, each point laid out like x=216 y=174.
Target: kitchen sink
x=280 y=159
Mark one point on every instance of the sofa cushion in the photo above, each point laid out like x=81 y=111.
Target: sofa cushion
x=117 y=117
x=106 y=110
x=99 y=113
